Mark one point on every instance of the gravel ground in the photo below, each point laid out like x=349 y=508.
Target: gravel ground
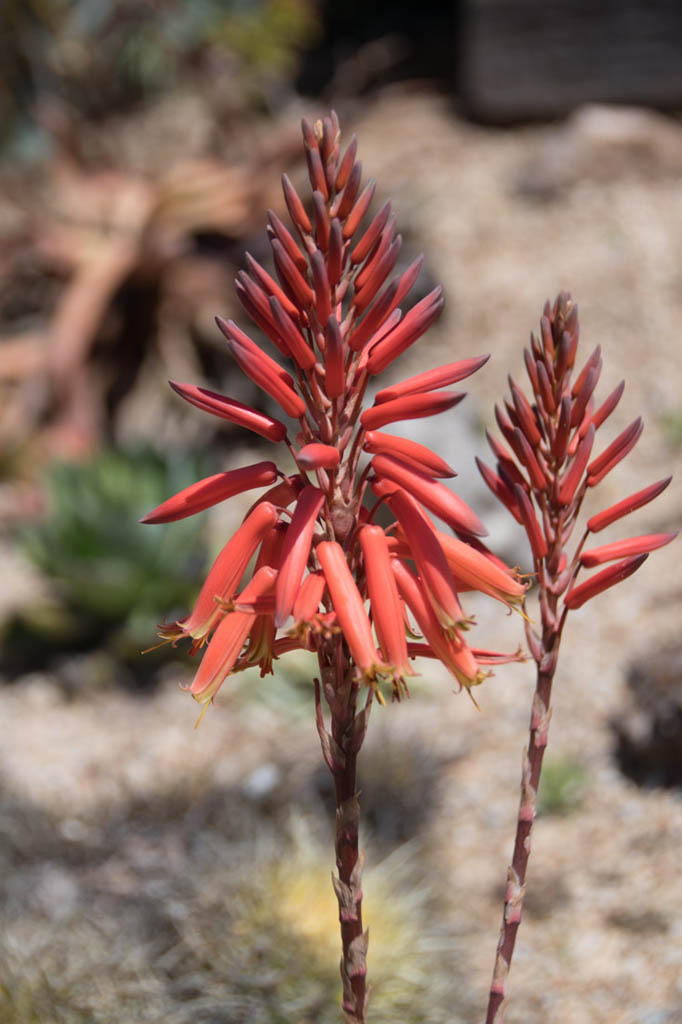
x=601 y=940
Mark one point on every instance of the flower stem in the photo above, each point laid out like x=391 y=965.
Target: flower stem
x=516 y=873
x=340 y=749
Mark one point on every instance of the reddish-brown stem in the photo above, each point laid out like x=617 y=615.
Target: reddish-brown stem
x=340 y=748
x=516 y=873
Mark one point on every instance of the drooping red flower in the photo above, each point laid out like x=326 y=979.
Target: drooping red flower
x=332 y=308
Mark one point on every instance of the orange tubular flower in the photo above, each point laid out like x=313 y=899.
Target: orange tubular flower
x=296 y=551
x=350 y=609
x=387 y=608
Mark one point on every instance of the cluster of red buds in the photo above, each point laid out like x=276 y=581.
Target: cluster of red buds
x=542 y=477
x=334 y=314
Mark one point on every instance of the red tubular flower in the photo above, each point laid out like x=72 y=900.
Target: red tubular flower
x=577 y=596
x=211 y=490
x=229 y=638
x=429 y=559
x=626 y=506
x=229 y=409
x=296 y=551
x=318 y=456
x=417 y=455
x=387 y=608
x=224 y=576
x=412 y=326
x=623 y=548
x=441 y=377
x=411 y=407
x=350 y=609
x=433 y=495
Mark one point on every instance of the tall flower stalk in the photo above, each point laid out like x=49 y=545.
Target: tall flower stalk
x=544 y=470
x=327 y=577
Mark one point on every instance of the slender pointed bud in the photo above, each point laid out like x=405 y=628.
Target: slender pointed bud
x=583 y=396
x=316 y=173
x=411 y=327
x=616 y=451
x=531 y=370
x=608 y=405
x=225 y=574
x=505 y=425
x=432 y=380
x=211 y=490
x=527 y=455
x=321 y=221
x=547 y=337
x=545 y=388
x=410 y=407
x=346 y=165
x=330 y=152
x=335 y=257
x=577 y=596
x=623 y=508
x=382 y=246
x=270 y=286
x=380 y=272
x=307 y=603
x=417 y=455
x=571 y=479
x=561 y=438
x=592 y=363
x=625 y=548
x=262 y=373
x=335 y=377
x=499 y=488
x=374 y=318
x=344 y=202
x=296 y=551
x=318 y=456
x=371 y=235
x=231 y=410
x=361 y=207
x=295 y=207
x=432 y=494
x=299 y=349
x=387 y=608
x=255 y=302
x=525 y=415
x=323 y=302
x=309 y=138
x=533 y=529
x=289 y=274
x=349 y=607
x=479 y=572
x=565 y=356
x=231 y=332
x=229 y=639
x=284 y=236
x=429 y=558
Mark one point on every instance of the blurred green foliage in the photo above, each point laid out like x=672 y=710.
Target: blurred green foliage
x=562 y=786
x=101 y=56
x=110 y=574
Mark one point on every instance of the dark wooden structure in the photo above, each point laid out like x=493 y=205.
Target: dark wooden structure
x=532 y=59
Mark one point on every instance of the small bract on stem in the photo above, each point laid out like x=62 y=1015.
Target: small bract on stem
x=542 y=479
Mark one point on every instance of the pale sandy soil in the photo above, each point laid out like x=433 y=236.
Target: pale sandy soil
x=602 y=938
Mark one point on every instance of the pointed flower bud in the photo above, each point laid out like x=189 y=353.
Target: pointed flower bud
x=417 y=455
x=318 y=456
x=627 y=505
x=435 y=496
x=231 y=410
x=577 y=596
x=387 y=608
x=625 y=548
x=211 y=490
x=410 y=407
x=441 y=377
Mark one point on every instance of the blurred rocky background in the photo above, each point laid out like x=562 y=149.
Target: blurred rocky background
x=154 y=873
